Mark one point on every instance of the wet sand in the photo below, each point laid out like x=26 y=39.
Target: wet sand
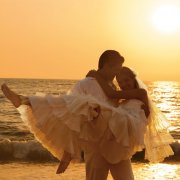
x=32 y=171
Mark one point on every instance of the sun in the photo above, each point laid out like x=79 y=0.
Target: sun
x=166 y=18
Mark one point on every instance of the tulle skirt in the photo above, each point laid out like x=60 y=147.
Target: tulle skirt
x=71 y=122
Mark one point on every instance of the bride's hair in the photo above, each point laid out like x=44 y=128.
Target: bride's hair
x=130 y=73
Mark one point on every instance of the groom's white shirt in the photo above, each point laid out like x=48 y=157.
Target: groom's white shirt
x=90 y=86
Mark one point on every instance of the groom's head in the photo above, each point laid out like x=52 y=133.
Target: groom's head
x=110 y=62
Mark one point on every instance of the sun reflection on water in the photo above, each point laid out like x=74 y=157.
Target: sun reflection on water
x=158 y=171
x=167 y=97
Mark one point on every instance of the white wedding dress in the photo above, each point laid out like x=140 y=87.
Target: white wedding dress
x=71 y=122
x=63 y=122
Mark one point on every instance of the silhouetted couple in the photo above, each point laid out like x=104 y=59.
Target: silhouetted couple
x=108 y=122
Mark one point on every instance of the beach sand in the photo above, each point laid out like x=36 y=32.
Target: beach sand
x=34 y=171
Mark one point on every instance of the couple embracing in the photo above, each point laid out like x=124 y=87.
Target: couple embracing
x=108 y=122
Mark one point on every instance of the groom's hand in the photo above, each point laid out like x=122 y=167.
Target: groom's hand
x=91 y=73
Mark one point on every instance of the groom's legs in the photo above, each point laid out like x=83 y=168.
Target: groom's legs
x=97 y=167
x=122 y=170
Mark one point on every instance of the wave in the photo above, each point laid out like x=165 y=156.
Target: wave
x=24 y=150
x=2 y=97
x=33 y=151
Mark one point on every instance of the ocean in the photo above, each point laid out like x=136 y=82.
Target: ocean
x=17 y=144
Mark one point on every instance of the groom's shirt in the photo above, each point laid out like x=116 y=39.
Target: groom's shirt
x=89 y=86
x=111 y=150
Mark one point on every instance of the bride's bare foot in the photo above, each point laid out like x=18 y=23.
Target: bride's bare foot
x=62 y=166
x=12 y=96
x=64 y=163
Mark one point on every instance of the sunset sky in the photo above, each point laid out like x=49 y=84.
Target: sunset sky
x=63 y=39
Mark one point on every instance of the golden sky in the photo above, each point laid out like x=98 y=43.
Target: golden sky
x=63 y=39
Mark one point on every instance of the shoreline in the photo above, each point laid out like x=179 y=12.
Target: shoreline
x=32 y=171
x=33 y=151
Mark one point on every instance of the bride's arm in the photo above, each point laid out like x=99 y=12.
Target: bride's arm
x=114 y=94
x=140 y=94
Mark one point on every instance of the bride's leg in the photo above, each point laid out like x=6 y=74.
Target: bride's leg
x=64 y=163
x=16 y=99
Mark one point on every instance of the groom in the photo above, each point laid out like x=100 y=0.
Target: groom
x=97 y=166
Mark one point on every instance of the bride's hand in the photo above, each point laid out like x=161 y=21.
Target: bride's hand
x=91 y=73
